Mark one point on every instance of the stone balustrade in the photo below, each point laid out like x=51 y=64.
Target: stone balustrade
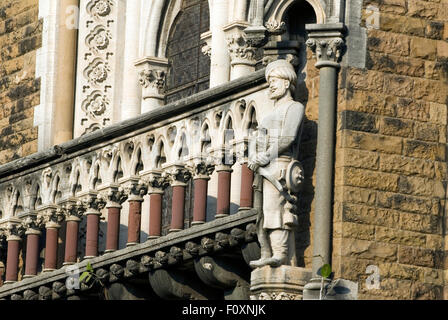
x=171 y=169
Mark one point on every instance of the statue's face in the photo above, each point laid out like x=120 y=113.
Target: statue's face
x=277 y=87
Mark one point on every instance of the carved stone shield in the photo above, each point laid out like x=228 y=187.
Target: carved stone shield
x=294 y=176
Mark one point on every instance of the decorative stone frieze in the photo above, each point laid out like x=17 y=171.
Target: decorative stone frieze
x=97 y=58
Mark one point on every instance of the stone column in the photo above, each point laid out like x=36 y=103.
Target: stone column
x=94 y=203
x=32 y=225
x=219 y=59
x=224 y=170
x=326 y=42
x=152 y=74
x=201 y=175
x=14 y=234
x=53 y=216
x=115 y=197
x=179 y=178
x=130 y=105
x=157 y=182
x=74 y=211
x=135 y=188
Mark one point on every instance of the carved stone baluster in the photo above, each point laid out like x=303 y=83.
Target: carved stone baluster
x=74 y=211
x=32 y=225
x=135 y=189
x=94 y=204
x=14 y=232
x=179 y=177
x=53 y=217
x=157 y=182
x=201 y=175
x=115 y=197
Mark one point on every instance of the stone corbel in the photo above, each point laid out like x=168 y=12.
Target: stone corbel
x=224 y=274
x=152 y=73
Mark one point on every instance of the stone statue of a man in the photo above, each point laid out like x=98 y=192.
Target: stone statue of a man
x=271 y=155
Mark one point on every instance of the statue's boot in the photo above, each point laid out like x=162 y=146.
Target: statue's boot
x=258 y=263
x=275 y=261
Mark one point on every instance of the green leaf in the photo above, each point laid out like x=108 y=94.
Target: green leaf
x=325 y=271
x=84 y=275
x=89 y=267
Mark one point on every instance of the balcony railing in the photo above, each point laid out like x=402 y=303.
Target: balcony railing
x=162 y=189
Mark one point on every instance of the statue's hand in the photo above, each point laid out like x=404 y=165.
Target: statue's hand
x=252 y=166
x=263 y=159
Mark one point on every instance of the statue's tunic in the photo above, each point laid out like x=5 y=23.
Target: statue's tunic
x=282 y=127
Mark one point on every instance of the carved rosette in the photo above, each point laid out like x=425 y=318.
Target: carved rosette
x=97 y=72
x=179 y=175
x=327 y=51
x=32 y=224
x=275 y=27
x=241 y=52
x=98 y=39
x=99 y=8
x=94 y=203
x=95 y=105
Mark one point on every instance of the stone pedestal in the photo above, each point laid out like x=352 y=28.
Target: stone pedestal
x=281 y=283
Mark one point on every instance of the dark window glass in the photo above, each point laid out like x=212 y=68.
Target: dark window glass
x=189 y=68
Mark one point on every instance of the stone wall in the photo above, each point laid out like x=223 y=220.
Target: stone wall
x=390 y=180
x=20 y=37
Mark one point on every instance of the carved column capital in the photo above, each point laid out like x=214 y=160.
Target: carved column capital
x=74 y=210
x=53 y=216
x=241 y=51
x=157 y=181
x=115 y=196
x=93 y=203
x=179 y=175
x=134 y=187
x=202 y=169
x=32 y=224
x=326 y=41
x=14 y=230
x=152 y=75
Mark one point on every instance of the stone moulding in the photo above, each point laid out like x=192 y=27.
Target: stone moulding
x=128 y=128
x=151 y=255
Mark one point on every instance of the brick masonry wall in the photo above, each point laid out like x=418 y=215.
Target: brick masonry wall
x=20 y=37
x=390 y=178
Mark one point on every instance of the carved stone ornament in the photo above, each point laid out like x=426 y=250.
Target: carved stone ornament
x=241 y=52
x=326 y=49
x=276 y=296
x=98 y=38
x=115 y=197
x=152 y=77
x=33 y=222
x=202 y=169
x=97 y=71
x=179 y=175
x=53 y=217
x=95 y=105
x=135 y=188
x=94 y=203
x=74 y=209
x=14 y=231
x=276 y=27
x=99 y=8
x=206 y=49
x=157 y=182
